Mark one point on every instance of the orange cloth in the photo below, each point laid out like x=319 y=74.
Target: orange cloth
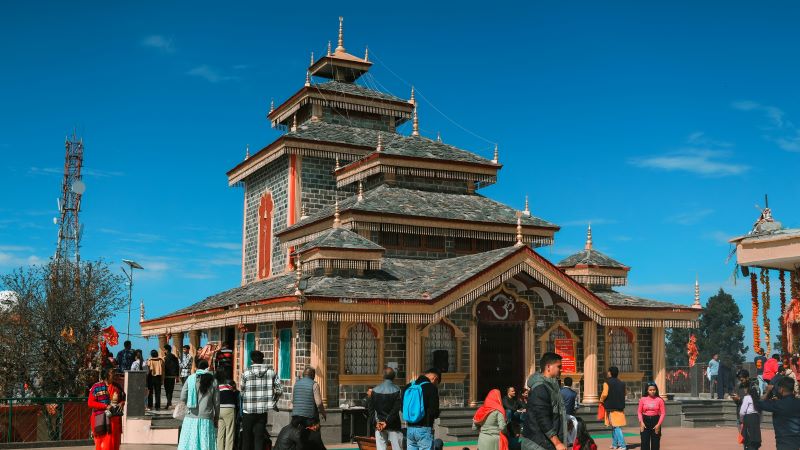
x=493 y=402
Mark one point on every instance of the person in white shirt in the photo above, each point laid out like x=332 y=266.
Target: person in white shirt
x=750 y=417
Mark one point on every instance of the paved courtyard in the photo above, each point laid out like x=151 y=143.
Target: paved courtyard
x=674 y=439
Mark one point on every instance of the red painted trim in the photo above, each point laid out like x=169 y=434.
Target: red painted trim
x=265 y=237
x=292 y=215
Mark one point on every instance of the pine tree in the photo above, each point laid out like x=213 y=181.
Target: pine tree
x=721 y=330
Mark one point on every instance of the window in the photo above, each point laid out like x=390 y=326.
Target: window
x=440 y=337
x=390 y=239
x=463 y=244
x=434 y=242
x=249 y=346
x=412 y=241
x=285 y=353
x=265 y=236
x=361 y=350
x=620 y=349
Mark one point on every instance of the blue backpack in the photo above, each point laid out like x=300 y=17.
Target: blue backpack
x=413 y=403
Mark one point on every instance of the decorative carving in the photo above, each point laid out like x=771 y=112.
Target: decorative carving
x=502 y=308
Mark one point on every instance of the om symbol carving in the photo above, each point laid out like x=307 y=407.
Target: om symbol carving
x=502 y=303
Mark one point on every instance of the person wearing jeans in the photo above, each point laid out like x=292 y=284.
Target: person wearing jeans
x=383 y=407
x=613 y=399
x=419 y=435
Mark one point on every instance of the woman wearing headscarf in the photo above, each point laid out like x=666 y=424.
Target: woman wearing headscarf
x=106 y=400
x=200 y=393
x=491 y=417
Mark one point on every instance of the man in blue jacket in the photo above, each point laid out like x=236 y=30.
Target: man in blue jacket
x=785 y=414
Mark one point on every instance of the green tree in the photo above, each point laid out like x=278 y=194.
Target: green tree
x=677 y=338
x=722 y=330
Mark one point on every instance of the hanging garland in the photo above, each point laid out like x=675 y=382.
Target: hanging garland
x=754 y=298
x=691 y=350
x=765 y=308
x=784 y=341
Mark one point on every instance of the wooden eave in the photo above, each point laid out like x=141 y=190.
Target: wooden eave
x=285 y=110
x=375 y=159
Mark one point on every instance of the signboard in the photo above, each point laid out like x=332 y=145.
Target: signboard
x=566 y=349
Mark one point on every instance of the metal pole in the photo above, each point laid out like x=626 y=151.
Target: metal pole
x=130 y=299
x=10 y=417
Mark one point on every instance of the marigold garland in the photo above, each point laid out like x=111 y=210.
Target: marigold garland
x=784 y=341
x=691 y=350
x=765 y=308
x=754 y=299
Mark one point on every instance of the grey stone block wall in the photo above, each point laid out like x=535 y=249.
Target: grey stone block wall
x=333 y=364
x=356 y=119
x=394 y=339
x=318 y=186
x=266 y=342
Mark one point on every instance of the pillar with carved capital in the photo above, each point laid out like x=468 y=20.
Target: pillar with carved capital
x=177 y=343
x=590 y=395
x=660 y=360
x=473 y=363
x=194 y=347
x=162 y=341
x=319 y=351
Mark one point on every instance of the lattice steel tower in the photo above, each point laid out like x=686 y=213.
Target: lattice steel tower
x=69 y=205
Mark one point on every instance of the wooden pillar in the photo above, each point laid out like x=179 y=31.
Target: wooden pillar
x=530 y=350
x=177 y=344
x=473 y=363
x=413 y=357
x=590 y=395
x=319 y=352
x=660 y=360
x=194 y=347
x=162 y=341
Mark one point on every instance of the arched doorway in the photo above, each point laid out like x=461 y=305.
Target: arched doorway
x=501 y=359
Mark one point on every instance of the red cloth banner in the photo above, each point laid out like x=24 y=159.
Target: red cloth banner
x=111 y=336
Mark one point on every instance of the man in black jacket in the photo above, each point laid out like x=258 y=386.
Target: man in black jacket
x=545 y=425
x=383 y=408
x=785 y=414
x=172 y=370
x=419 y=434
x=292 y=436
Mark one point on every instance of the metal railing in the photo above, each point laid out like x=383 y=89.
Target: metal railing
x=39 y=419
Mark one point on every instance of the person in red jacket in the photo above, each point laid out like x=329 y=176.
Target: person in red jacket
x=771 y=367
x=107 y=398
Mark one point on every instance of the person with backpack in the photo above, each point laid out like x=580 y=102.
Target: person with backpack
x=172 y=370
x=383 y=408
x=260 y=387
x=583 y=440
x=421 y=409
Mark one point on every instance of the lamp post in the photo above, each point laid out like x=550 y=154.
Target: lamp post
x=131 y=266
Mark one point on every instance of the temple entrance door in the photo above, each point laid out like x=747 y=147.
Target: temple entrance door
x=501 y=359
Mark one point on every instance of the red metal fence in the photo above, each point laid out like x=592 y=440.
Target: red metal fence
x=44 y=419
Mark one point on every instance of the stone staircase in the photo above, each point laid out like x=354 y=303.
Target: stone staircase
x=455 y=424
x=713 y=413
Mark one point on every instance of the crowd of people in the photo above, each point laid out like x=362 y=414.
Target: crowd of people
x=218 y=414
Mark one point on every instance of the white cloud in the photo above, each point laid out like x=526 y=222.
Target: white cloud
x=224 y=245
x=85 y=171
x=12 y=260
x=700 y=139
x=774 y=114
x=783 y=132
x=690 y=217
x=159 y=42
x=210 y=74
x=699 y=161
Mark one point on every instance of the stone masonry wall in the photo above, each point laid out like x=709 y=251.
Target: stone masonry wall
x=272 y=179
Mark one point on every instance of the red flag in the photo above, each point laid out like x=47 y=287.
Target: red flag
x=110 y=335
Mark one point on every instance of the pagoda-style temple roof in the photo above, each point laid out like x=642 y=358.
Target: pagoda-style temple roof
x=387 y=204
x=594 y=268
x=592 y=258
x=355 y=90
x=615 y=298
x=340 y=238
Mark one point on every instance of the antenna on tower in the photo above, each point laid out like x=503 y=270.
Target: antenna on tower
x=69 y=205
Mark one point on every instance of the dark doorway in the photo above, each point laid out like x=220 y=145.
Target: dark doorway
x=500 y=357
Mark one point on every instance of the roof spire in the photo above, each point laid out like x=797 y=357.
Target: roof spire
x=519 y=230
x=697 y=293
x=247 y=152
x=589 y=238
x=415 y=128
x=438 y=136
x=141 y=310
x=312 y=59
x=379 y=148
x=360 y=190
x=336 y=221
x=412 y=100
x=340 y=47
x=271 y=105
x=303 y=211
x=308 y=78
x=329 y=48
x=294 y=122
x=337 y=167
x=496 y=158
x=366 y=54
x=527 y=210
x=298 y=272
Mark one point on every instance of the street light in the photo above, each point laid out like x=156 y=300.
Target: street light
x=131 y=266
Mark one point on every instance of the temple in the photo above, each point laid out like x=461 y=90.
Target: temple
x=363 y=247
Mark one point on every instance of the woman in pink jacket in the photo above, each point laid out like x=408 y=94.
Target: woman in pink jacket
x=652 y=411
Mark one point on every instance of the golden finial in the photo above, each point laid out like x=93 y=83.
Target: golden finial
x=312 y=59
x=697 y=304
x=298 y=274
x=415 y=127
x=271 y=105
x=336 y=221
x=294 y=122
x=141 y=310
x=519 y=230
x=589 y=238
x=379 y=148
x=337 y=167
x=527 y=210
x=303 y=211
x=247 y=152
x=329 y=48
x=412 y=100
x=438 y=136
x=496 y=158
x=366 y=54
x=308 y=78
x=340 y=47
x=360 y=190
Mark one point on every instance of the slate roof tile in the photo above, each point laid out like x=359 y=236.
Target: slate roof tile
x=341 y=238
x=590 y=257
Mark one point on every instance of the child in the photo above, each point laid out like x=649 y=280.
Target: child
x=750 y=417
x=583 y=441
x=228 y=411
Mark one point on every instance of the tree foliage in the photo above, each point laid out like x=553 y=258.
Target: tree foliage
x=721 y=331
x=50 y=321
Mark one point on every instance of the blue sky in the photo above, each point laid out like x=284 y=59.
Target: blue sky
x=662 y=124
